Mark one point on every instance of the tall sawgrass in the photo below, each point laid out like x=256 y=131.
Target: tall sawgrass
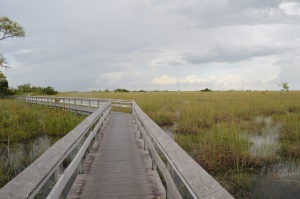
x=26 y=132
x=21 y=121
x=215 y=127
x=203 y=112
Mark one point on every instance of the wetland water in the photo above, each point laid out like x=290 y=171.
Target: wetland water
x=278 y=180
x=281 y=179
x=15 y=157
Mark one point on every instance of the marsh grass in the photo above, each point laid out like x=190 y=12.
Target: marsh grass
x=216 y=129
x=26 y=132
x=21 y=121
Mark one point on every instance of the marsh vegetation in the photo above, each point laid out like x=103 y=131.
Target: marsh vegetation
x=248 y=141
x=26 y=131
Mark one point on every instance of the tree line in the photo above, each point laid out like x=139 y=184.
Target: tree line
x=24 y=89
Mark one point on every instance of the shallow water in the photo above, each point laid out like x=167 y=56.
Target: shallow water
x=280 y=180
x=14 y=158
x=170 y=130
x=264 y=143
x=277 y=181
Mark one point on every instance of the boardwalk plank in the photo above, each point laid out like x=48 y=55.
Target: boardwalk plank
x=118 y=170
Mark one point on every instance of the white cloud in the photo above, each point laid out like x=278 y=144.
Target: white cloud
x=114 y=78
x=191 y=79
x=216 y=82
x=167 y=58
x=259 y=73
x=164 y=80
x=290 y=8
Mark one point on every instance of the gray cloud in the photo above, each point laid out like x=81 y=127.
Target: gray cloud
x=203 y=14
x=289 y=70
x=77 y=45
x=234 y=53
x=255 y=3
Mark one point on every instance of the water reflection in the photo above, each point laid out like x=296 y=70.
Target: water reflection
x=14 y=158
x=170 y=130
x=281 y=180
x=278 y=180
x=265 y=142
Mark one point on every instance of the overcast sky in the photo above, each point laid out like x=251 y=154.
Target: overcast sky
x=76 y=45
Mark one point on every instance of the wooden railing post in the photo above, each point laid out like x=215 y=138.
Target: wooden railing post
x=58 y=172
x=74 y=100
x=69 y=104
x=81 y=106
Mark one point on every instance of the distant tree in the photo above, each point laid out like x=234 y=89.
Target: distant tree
x=121 y=90
x=24 y=88
x=36 y=90
x=206 y=90
x=106 y=90
x=11 y=91
x=3 y=84
x=9 y=29
x=285 y=86
x=49 y=91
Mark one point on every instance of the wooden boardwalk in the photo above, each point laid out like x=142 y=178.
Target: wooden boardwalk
x=116 y=165
x=119 y=167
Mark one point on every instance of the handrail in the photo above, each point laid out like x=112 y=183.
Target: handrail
x=183 y=176
x=75 y=104
x=30 y=181
x=65 y=177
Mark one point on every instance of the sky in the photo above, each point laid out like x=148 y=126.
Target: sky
x=75 y=45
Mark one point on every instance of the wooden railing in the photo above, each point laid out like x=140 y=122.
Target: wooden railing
x=74 y=104
x=49 y=166
x=181 y=175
